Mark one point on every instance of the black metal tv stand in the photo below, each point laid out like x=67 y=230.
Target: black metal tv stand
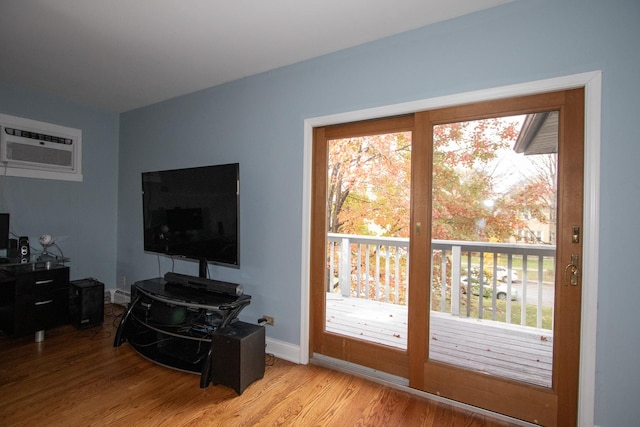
x=172 y=320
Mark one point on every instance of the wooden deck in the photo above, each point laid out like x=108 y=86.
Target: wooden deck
x=510 y=351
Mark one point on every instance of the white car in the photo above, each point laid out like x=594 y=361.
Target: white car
x=487 y=289
x=502 y=274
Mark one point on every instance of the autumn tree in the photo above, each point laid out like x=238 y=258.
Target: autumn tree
x=466 y=205
x=369 y=183
x=535 y=194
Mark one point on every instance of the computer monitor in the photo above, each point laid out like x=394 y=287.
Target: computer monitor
x=4 y=231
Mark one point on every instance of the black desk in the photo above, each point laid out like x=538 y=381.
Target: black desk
x=33 y=299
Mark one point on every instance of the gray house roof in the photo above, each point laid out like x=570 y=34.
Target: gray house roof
x=539 y=134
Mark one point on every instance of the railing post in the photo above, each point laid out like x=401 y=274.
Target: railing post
x=345 y=267
x=456 y=263
x=365 y=270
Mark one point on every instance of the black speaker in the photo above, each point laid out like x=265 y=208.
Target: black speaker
x=86 y=303
x=238 y=355
x=23 y=247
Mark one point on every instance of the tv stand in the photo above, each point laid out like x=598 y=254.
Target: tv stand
x=175 y=325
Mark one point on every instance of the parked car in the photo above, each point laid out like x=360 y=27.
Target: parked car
x=487 y=288
x=502 y=274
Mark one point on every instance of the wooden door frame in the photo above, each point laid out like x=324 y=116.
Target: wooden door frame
x=392 y=360
x=557 y=404
x=592 y=82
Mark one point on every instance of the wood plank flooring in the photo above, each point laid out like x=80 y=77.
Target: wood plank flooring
x=77 y=378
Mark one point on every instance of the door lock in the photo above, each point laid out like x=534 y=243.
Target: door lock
x=573 y=271
x=575 y=234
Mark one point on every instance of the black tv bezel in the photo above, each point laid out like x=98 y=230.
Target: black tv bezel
x=203 y=262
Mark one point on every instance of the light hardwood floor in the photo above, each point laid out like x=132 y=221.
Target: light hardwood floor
x=77 y=378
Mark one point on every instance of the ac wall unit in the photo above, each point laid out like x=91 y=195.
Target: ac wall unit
x=30 y=148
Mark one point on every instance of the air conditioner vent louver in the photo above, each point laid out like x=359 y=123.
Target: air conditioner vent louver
x=40 y=150
x=38 y=136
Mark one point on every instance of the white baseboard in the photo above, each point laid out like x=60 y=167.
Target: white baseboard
x=402 y=384
x=291 y=353
x=120 y=297
x=283 y=350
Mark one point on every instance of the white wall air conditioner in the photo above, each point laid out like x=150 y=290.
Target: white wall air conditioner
x=29 y=148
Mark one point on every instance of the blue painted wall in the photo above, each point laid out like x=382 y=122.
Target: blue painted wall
x=81 y=216
x=258 y=121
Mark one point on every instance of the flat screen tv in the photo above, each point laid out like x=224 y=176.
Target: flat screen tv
x=193 y=213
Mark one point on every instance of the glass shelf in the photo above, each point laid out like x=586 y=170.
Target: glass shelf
x=34 y=262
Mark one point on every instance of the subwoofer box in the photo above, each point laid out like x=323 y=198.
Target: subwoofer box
x=86 y=303
x=237 y=357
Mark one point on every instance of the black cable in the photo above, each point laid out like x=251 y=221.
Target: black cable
x=152 y=343
x=60 y=250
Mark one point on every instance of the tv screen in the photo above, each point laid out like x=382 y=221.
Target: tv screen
x=193 y=213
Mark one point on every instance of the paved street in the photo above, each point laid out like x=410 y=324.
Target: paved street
x=532 y=293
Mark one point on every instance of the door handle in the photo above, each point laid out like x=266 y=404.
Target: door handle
x=572 y=271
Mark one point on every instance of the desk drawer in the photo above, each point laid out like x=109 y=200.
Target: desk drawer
x=43 y=282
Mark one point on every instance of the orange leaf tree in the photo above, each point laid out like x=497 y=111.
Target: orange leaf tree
x=369 y=183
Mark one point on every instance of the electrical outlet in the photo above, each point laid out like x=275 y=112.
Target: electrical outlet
x=270 y=320
x=123 y=282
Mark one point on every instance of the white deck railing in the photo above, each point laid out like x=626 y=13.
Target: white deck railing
x=377 y=268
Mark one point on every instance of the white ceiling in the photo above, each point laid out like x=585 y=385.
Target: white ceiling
x=117 y=55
